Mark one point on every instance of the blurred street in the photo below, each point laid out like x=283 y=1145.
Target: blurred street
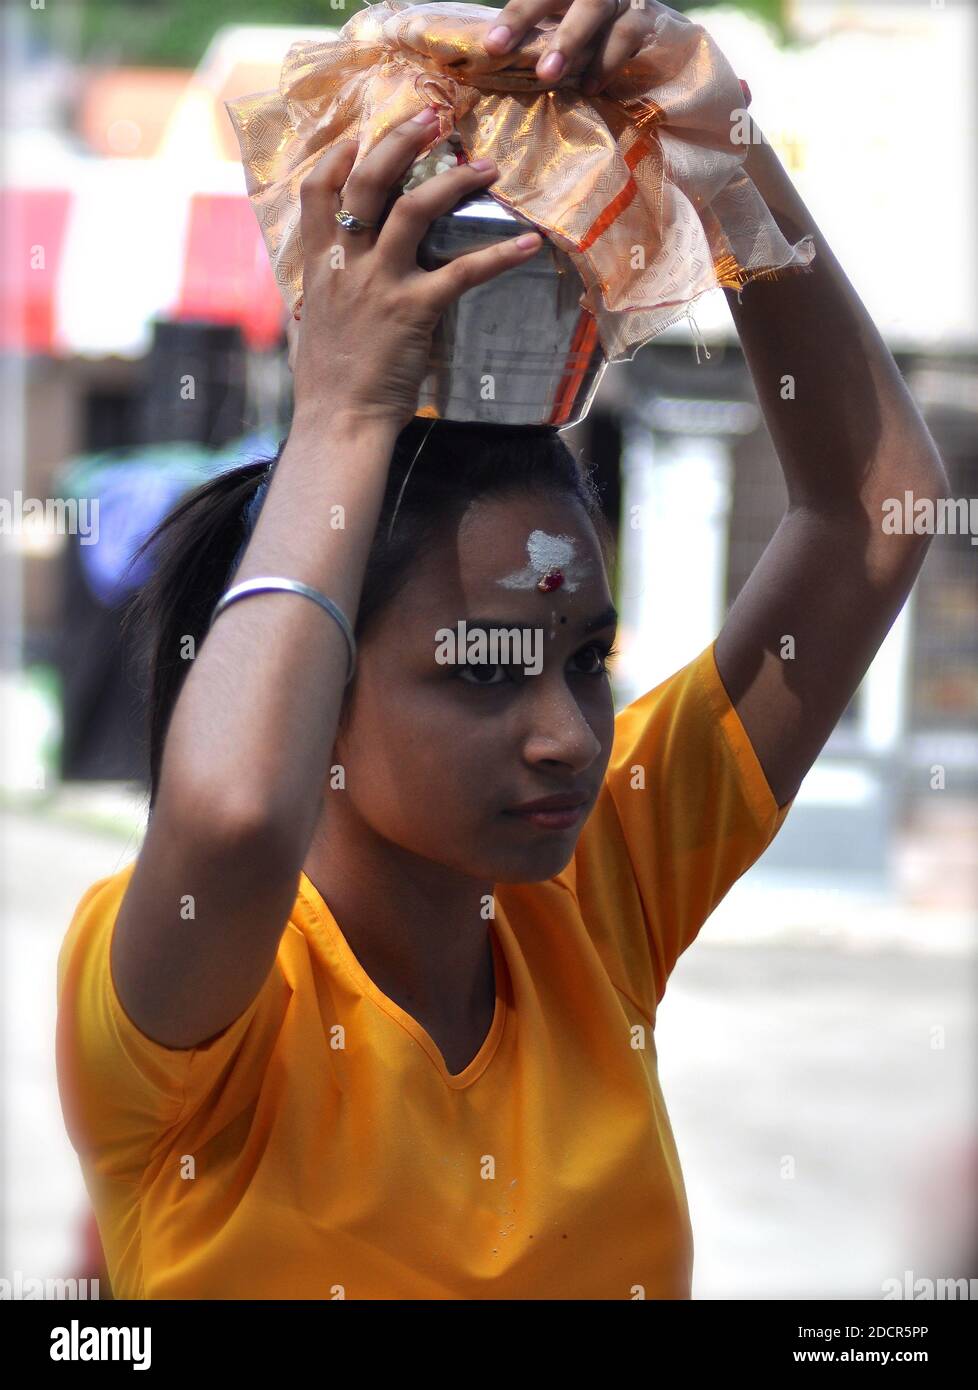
x=824 y=1026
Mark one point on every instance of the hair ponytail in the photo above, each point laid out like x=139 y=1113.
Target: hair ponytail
x=193 y=551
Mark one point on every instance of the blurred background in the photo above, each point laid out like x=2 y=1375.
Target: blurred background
x=817 y=1046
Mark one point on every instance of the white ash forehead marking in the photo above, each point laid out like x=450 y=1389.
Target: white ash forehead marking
x=546 y=551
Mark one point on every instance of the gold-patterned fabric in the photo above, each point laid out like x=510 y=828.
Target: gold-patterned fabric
x=642 y=185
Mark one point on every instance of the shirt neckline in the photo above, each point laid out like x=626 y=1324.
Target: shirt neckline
x=325 y=920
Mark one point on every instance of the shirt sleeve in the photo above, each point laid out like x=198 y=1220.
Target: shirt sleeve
x=122 y=1093
x=685 y=810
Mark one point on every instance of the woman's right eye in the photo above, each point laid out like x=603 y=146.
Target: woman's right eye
x=464 y=671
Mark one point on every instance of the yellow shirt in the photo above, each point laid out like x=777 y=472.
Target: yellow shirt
x=319 y=1148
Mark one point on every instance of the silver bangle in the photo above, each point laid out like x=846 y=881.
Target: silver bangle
x=292 y=586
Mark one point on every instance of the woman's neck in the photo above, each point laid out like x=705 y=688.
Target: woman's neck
x=417 y=928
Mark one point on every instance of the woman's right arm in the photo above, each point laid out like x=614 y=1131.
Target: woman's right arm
x=248 y=748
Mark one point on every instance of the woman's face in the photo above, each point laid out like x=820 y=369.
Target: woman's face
x=437 y=753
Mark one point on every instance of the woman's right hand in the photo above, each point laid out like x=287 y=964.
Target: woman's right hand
x=368 y=314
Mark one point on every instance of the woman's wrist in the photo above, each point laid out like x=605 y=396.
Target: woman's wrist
x=334 y=466
x=769 y=176
x=327 y=420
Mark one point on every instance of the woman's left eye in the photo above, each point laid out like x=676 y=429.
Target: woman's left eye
x=604 y=653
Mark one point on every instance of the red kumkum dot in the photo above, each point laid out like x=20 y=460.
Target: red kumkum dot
x=550 y=581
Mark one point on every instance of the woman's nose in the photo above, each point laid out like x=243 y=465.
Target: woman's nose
x=559 y=731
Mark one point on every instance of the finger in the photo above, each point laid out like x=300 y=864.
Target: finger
x=371 y=184
x=318 y=194
x=412 y=213
x=442 y=287
x=516 y=20
x=619 y=43
x=583 y=21
x=292 y=331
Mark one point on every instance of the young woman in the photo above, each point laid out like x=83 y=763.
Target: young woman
x=372 y=1013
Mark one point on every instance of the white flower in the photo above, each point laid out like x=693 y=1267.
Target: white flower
x=438 y=160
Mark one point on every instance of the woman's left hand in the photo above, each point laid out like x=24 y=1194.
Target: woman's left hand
x=620 y=27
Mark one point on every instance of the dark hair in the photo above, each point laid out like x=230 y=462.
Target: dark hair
x=196 y=547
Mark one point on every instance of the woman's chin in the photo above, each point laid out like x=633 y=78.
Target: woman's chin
x=538 y=863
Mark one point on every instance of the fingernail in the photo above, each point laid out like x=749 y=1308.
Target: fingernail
x=530 y=239
x=500 y=35
x=480 y=164
x=552 y=65
x=426 y=116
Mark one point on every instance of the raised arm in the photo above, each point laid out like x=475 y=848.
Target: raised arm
x=844 y=425
x=248 y=748
x=848 y=436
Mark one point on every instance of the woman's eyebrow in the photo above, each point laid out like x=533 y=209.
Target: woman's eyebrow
x=605 y=619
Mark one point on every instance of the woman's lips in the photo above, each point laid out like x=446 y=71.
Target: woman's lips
x=552 y=820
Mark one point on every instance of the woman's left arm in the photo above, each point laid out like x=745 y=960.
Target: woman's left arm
x=848 y=436
x=846 y=430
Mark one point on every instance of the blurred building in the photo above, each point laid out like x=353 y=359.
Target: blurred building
x=138 y=310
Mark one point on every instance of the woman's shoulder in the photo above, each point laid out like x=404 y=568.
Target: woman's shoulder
x=98 y=904
x=122 y=1091
x=84 y=955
